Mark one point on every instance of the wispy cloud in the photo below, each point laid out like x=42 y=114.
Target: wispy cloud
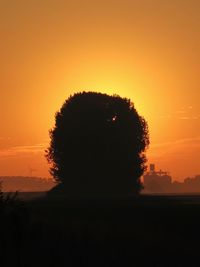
x=4 y=138
x=185 y=141
x=179 y=148
x=184 y=113
x=180 y=111
x=187 y=113
x=165 y=117
x=23 y=150
x=189 y=118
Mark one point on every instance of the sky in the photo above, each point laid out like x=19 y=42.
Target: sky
x=145 y=50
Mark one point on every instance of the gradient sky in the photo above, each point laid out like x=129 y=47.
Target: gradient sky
x=146 y=50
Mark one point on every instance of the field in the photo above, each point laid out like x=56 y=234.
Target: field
x=127 y=231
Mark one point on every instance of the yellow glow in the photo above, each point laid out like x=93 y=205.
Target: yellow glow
x=147 y=51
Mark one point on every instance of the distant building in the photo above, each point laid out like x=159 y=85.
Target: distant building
x=157 y=181
x=192 y=184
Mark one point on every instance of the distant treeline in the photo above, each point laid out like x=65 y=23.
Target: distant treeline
x=40 y=184
x=158 y=185
x=26 y=184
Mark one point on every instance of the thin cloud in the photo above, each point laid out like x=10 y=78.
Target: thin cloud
x=180 y=112
x=184 y=113
x=4 y=138
x=179 y=148
x=23 y=150
x=165 y=117
x=184 y=141
x=189 y=118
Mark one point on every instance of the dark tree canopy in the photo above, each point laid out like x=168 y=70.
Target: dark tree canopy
x=98 y=145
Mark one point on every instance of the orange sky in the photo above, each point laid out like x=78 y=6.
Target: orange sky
x=146 y=50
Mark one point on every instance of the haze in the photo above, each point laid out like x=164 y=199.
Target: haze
x=144 y=50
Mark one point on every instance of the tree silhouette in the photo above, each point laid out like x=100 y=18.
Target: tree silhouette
x=98 y=145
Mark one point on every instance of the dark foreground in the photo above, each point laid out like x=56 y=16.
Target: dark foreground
x=143 y=231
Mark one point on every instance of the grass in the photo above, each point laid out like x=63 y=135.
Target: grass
x=142 y=231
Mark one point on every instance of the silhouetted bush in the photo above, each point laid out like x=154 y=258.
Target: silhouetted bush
x=14 y=219
x=98 y=145
x=7 y=200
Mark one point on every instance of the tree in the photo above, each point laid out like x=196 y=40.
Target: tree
x=98 y=145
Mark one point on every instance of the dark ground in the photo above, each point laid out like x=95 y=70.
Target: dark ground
x=142 y=231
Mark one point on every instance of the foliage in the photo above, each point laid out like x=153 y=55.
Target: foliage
x=98 y=144
x=7 y=200
x=14 y=218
